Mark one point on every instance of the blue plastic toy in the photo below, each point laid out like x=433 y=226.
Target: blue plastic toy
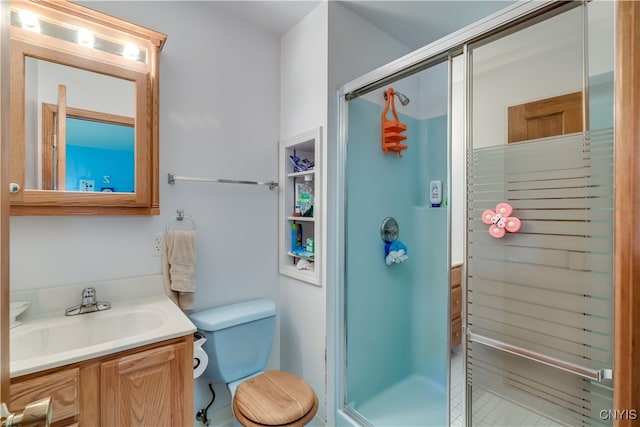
x=301 y=165
x=395 y=252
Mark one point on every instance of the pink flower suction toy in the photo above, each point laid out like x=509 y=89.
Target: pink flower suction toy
x=499 y=221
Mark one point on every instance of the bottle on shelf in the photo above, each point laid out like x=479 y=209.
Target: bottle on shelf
x=304 y=197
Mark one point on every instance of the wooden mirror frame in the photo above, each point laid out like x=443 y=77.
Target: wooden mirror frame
x=24 y=43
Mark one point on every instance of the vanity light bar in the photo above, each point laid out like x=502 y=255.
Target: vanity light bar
x=30 y=21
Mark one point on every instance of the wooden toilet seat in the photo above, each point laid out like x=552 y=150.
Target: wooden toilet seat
x=275 y=398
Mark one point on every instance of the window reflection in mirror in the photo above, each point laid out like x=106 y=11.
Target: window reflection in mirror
x=95 y=159
x=99 y=152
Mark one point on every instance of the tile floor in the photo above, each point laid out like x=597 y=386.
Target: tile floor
x=456 y=401
x=489 y=410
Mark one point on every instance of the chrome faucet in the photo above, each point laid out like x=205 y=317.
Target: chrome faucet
x=88 y=304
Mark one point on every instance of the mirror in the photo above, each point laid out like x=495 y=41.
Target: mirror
x=84 y=112
x=99 y=147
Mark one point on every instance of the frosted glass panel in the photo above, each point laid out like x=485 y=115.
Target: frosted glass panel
x=548 y=288
x=563 y=397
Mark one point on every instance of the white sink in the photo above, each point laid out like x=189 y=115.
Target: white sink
x=59 y=340
x=70 y=333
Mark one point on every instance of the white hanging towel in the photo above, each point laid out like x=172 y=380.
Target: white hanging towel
x=180 y=267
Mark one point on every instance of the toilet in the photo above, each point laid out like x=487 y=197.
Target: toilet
x=238 y=343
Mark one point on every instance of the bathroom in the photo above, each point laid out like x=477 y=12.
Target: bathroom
x=208 y=129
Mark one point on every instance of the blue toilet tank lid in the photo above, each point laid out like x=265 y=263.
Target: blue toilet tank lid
x=226 y=316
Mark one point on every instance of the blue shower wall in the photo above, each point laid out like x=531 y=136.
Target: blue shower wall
x=434 y=131
x=431 y=275
x=389 y=308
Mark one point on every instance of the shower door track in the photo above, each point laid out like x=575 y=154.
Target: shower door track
x=438 y=51
x=591 y=374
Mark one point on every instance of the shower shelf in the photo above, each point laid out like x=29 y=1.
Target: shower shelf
x=304 y=146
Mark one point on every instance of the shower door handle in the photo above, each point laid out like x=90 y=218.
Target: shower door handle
x=588 y=373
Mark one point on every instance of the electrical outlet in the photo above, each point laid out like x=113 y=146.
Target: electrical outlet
x=157 y=244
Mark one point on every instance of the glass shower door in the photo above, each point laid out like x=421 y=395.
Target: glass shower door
x=396 y=313
x=540 y=298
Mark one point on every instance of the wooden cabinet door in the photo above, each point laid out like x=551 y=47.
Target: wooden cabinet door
x=554 y=116
x=147 y=388
x=62 y=387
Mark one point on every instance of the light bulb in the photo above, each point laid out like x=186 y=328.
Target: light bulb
x=29 y=21
x=86 y=38
x=131 y=51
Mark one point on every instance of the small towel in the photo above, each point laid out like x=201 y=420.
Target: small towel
x=180 y=267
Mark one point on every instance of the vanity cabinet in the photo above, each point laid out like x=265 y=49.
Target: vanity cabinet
x=301 y=242
x=62 y=387
x=147 y=386
x=456 y=305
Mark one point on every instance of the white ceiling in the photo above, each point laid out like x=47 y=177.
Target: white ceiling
x=414 y=23
x=276 y=16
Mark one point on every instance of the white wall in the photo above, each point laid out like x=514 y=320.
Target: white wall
x=328 y=48
x=303 y=106
x=219 y=117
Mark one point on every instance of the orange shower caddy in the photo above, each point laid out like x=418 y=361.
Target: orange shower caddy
x=392 y=130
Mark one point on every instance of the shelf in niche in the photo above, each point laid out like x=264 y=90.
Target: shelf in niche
x=307 y=145
x=303 y=173
x=308 y=276
x=309 y=258
x=301 y=218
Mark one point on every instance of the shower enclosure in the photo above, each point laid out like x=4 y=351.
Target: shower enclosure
x=515 y=111
x=397 y=346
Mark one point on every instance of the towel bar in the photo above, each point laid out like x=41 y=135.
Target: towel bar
x=179 y=218
x=591 y=374
x=173 y=178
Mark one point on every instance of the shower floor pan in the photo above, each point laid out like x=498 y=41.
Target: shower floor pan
x=413 y=401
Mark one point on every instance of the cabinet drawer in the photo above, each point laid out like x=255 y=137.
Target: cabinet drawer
x=456 y=332
x=62 y=387
x=456 y=302
x=456 y=276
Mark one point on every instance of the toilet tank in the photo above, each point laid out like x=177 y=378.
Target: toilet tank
x=238 y=337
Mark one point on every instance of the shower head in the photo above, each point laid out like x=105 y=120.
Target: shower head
x=404 y=99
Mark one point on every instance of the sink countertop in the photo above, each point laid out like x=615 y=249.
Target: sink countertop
x=86 y=336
